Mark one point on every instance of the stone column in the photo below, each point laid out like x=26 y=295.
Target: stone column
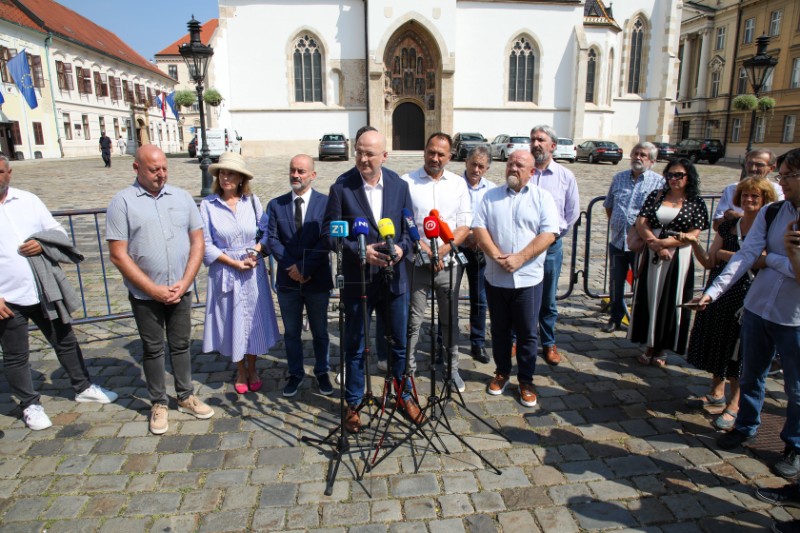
x=683 y=91
x=702 y=73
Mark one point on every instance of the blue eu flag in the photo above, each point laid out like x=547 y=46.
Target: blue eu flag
x=21 y=72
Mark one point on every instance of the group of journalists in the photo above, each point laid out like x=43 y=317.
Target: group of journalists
x=402 y=243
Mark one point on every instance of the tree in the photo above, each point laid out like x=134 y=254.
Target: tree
x=212 y=97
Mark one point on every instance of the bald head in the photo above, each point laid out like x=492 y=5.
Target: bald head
x=301 y=173
x=150 y=165
x=370 y=155
x=519 y=169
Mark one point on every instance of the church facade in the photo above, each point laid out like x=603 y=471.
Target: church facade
x=295 y=70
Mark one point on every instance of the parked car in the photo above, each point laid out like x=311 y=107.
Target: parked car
x=504 y=145
x=596 y=151
x=464 y=142
x=666 y=151
x=565 y=149
x=711 y=150
x=193 y=147
x=334 y=145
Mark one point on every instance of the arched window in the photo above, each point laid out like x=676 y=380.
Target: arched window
x=635 y=57
x=307 y=70
x=521 y=71
x=591 y=70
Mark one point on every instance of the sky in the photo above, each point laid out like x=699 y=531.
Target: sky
x=147 y=26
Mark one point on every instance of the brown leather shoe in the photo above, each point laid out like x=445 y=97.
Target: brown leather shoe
x=352 y=422
x=413 y=411
x=551 y=355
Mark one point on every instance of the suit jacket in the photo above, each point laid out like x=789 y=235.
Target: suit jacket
x=347 y=201
x=308 y=250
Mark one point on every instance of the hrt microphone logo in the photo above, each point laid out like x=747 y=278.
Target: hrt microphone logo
x=430 y=226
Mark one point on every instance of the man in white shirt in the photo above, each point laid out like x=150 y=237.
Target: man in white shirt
x=22 y=214
x=433 y=187
x=758 y=164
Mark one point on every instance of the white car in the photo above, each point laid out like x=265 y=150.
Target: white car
x=504 y=145
x=565 y=149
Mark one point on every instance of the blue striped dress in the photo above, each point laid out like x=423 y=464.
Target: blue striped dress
x=240 y=315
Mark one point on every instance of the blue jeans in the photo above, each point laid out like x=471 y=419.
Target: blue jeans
x=760 y=339
x=620 y=262
x=511 y=311
x=548 y=313
x=377 y=301
x=476 y=267
x=291 y=302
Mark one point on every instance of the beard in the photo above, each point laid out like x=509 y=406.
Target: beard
x=540 y=156
x=513 y=182
x=638 y=167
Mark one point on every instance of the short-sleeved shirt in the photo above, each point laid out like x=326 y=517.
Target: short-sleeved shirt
x=513 y=220
x=476 y=193
x=693 y=215
x=449 y=195
x=21 y=215
x=156 y=229
x=625 y=199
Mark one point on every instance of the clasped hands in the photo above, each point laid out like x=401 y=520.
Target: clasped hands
x=376 y=257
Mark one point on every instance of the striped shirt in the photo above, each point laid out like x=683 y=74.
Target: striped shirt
x=156 y=229
x=563 y=186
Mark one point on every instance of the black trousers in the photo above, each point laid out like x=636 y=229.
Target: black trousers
x=16 y=351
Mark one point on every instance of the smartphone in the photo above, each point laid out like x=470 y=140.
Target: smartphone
x=690 y=305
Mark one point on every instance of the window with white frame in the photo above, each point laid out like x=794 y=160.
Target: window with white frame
x=741 y=83
x=521 y=71
x=736 y=130
x=307 y=59
x=775 y=22
x=767 y=85
x=759 y=136
x=719 y=42
x=591 y=72
x=636 y=57
x=715 y=80
x=709 y=129
x=789 y=122
x=795 y=81
x=749 y=30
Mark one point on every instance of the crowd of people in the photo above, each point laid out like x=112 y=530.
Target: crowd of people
x=506 y=238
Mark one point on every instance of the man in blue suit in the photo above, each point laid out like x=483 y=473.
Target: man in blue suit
x=304 y=271
x=372 y=192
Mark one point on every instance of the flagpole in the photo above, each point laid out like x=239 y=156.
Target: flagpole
x=27 y=124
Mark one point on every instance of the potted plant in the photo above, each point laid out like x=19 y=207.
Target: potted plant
x=185 y=98
x=745 y=102
x=212 y=97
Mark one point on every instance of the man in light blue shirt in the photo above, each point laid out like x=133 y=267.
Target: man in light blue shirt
x=626 y=195
x=478 y=161
x=560 y=183
x=771 y=319
x=514 y=225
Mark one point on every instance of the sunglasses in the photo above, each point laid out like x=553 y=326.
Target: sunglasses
x=675 y=175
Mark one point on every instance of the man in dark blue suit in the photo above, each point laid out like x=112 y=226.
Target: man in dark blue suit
x=296 y=242
x=372 y=192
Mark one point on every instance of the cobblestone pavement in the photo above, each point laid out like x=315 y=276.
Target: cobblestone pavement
x=610 y=446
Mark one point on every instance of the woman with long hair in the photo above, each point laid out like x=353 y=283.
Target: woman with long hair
x=666 y=280
x=714 y=342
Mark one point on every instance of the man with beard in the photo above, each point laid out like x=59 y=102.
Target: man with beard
x=560 y=183
x=624 y=200
x=758 y=164
x=514 y=225
x=303 y=277
x=433 y=187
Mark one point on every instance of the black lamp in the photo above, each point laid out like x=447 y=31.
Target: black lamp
x=196 y=55
x=758 y=69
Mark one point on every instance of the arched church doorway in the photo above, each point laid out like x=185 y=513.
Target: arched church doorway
x=408 y=127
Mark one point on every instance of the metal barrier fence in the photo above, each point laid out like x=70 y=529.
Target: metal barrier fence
x=104 y=296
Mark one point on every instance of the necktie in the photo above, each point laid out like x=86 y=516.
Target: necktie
x=298 y=214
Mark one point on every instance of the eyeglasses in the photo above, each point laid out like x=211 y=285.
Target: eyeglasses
x=756 y=164
x=781 y=177
x=675 y=175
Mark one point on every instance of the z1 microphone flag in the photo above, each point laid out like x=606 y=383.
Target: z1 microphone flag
x=21 y=72
x=339 y=229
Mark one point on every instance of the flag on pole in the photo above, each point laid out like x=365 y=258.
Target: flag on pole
x=161 y=103
x=21 y=72
x=2 y=100
x=171 y=102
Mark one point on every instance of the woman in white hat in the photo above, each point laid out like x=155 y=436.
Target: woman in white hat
x=240 y=316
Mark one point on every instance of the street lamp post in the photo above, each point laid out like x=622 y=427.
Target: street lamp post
x=196 y=55
x=758 y=69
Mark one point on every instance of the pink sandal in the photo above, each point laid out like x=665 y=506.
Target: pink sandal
x=659 y=360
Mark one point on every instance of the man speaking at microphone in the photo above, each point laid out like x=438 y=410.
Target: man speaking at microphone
x=514 y=225
x=371 y=193
x=434 y=188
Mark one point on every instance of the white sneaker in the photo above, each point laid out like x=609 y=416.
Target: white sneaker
x=35 y=417
x=383 y=365
x=96 y=393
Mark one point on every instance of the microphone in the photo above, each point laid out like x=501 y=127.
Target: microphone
x=413 y=232
x=446 y=234
x=386 y=229
x=361 y=229
x=431 y=227
x=339 y=229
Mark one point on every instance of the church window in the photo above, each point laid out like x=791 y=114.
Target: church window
x=591 y=72
x=521 y=70
x=636 y=58
x=307 y=70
